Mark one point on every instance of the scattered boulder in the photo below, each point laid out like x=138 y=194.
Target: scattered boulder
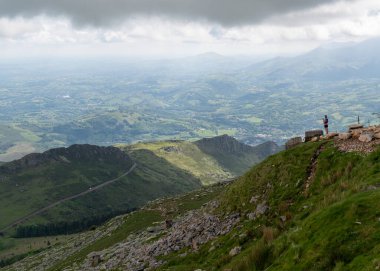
x=95 y=259
x=377 y=135
x=315 y=139
x=235 y=251
x=155 y=229
x=356 y=133
x=367 y=137
x=261 y=209
x=251 y=216
x=331 y=135
x=254 y=199
x=344 y=136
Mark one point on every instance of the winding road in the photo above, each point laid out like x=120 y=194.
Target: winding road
x=90 y=190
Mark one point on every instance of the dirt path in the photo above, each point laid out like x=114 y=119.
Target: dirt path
x=93 y=189
x=312 y=169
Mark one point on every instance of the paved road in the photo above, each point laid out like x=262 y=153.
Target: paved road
x=93 y=189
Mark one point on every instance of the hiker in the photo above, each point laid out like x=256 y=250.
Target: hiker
x=326 y=124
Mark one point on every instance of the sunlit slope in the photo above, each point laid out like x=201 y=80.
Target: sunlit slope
x=189 y=157
x=211 y=160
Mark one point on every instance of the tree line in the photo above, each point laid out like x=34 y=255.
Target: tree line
x=65 y=227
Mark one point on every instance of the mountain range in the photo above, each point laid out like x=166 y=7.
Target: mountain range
x=93 y=183
x=329 y=63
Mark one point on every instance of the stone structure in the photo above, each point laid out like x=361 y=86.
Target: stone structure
x=354 y=127
x=313 y=133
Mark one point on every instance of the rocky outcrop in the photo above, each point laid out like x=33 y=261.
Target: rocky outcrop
x=359 y=139
x=73 y=153
x=137 y=252
x=366 y=137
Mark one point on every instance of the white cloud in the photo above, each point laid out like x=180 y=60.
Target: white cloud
x=288 y=33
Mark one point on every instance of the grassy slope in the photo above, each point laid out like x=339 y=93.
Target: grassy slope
x=154 y=177
x=37 y=187
x=233 y=155
x=210 y=160
x=236 y=163
x=334 y=225
x=187 y=156
x=15 y=142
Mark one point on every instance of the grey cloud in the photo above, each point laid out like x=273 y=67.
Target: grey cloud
x=107 y=12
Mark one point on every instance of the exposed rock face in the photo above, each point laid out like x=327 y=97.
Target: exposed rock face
x=73 y=153
x=135 y=253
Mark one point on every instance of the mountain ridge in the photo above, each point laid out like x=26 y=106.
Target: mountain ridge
x=74 y=152
x=62 y=173
x=353 y=61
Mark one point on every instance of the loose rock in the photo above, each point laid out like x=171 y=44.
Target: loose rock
x=235 y=251
x=367 y=137
x=344 y=136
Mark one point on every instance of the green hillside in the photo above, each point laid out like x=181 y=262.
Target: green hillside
x=212 y=159
x=309 y=208
x=233 y=155
x=38 y=180
x=329 y=221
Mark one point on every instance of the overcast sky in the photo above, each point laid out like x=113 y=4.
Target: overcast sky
x=181 y=27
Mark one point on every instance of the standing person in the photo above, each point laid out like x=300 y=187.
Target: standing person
x=326 y=124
